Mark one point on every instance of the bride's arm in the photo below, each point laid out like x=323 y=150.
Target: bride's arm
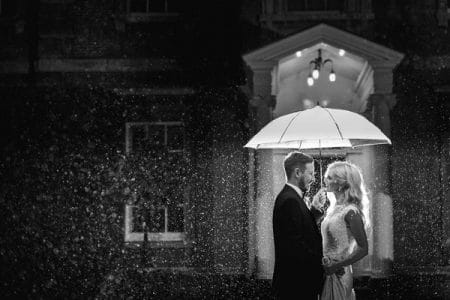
x=356 y=226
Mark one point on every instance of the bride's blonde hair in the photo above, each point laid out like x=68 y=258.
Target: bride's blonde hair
x=349 y=180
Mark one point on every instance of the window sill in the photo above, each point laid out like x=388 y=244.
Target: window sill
x=9 y=18
x=151 y=17
x=57 y=1
x=62 y=35
x=156 y=237
x=159 y=244
x=316 y=15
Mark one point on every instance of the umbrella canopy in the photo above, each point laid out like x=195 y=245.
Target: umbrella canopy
x=318 y=128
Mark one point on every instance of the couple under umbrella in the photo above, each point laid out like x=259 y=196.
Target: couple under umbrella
x=316 y=242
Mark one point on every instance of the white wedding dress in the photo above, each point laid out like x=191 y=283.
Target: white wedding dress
x=338 y=243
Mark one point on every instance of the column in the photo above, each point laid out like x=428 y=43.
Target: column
x=445 y=173
x=261 y=233
x=382 y=102
x=442 y=13
x=261 y=101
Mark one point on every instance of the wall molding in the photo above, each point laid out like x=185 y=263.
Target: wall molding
x=90 y=65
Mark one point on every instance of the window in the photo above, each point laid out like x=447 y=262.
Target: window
x=162 y=222
x=8 y=8
x=57 y=1
x=154 y=6
x=314 y=5
x=157 y=209
x=142 y=135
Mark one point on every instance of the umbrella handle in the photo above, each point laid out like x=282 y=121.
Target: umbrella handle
x=320 y=165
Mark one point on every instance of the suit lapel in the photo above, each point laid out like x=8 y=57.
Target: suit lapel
x=300 y=200
x=304 y=208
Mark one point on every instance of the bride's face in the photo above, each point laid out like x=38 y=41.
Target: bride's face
x=330 y=183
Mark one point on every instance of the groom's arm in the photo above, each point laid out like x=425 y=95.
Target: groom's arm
x=295 y=220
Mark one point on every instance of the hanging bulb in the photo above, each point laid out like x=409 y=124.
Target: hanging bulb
x=310 y=81
x=332 y=76
x=315 y=74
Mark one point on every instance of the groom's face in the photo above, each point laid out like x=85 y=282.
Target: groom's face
x=307 y=177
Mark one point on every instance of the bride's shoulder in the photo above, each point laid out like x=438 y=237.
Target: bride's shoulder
x=352 y=213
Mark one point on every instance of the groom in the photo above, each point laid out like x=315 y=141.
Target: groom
x=298 y=272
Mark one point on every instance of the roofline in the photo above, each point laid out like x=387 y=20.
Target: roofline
x=327 y=34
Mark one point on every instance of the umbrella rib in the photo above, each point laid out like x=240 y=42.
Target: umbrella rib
x=290 y=122
x=335 y=123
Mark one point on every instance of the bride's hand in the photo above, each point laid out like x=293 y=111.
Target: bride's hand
x=334 y=268
x=320 y=199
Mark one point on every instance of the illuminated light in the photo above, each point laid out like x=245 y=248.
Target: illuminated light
x=298 y=53
x=332 y=76
x=341 y=52
x=307 y=103
x=310 y=81
x=315 y=74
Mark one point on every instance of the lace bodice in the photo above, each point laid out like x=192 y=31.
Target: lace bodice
x=338 y=242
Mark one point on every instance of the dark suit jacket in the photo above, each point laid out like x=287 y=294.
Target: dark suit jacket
x=298 y=248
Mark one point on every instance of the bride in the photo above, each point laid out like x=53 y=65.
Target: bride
x=343 y=228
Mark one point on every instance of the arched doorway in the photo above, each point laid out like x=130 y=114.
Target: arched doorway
x=363 y=84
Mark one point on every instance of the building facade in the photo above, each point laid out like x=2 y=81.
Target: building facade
x=171 y=85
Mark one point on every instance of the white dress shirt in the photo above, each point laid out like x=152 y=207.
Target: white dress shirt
x=300 y=193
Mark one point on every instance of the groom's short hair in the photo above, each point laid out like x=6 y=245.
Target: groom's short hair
x=296 y=159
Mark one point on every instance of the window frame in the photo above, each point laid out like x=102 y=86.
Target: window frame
x=57 y=1
x=277 y=11
x=137 y=236
x=166 y=236
x=12 y=16
x=308 y=10
x=149 y=15
x=128 y=135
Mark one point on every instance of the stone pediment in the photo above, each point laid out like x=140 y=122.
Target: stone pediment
x=375 y=54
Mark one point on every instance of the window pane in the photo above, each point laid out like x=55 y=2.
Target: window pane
x=157 y=5
x=152 y=216
x=175 y=137
x=175 y=5
x=176 y=218
x=138 y=218
x=156 y=135
x=138 y=6
x=316 y=4
x=139 y=137
x=8 y=8
x=156 y=220
x=296 y=5
x=336 y=5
